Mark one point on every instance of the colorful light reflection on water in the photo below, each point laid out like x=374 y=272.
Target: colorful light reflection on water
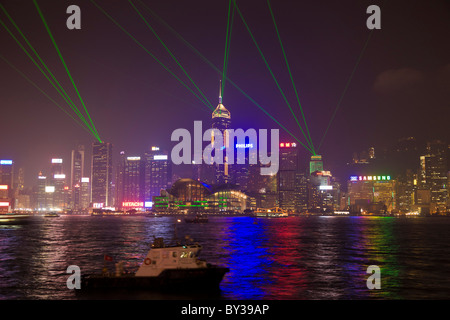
x=285 y=258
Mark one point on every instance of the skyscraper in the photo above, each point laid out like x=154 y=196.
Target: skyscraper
x=221 y=120
x=406 y=185
x=59 y=194
x=372 y=193
x=240 y=173
x=57 y=180
x=434 y=166
x=158 y=172
x=40 y=192
x=7 y=176
x=287 y=193
x=77 y=166
x=315 y=164
x=6 y=185
x=76 y=173
x=101 y=173
x=84 y=192
x=56 y=166
x=301 y=191
x=119 y=179
x=132 y=180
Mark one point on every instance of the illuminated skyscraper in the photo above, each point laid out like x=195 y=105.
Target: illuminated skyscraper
x=221 y=119
x=132 y=180
x=119 y=179
x=287 y=193
x=7 y=176
x=56 y=166
x=6 y=185
x=76 y=173
x=240 y=173
x=372 y=193
x=40 y=192
x=434 y=173
x=59 y=193
x=101 y=173
x=315 y=164
x=84 y=193
x=77 y=166
x=406 y=185
x=301 y=191
x=158 y=172
x=57 y=180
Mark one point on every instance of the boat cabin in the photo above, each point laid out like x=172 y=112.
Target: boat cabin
x=161 y=257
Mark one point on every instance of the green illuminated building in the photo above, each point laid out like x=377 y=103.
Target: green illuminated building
x=316 y=164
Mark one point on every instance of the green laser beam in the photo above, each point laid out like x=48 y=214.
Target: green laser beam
x=170 y=53
x=61 y=90
x=148 y=52
x=228 y=48
x=45 y=94
x=42 y=71
x=268 y=114
x=64 y=63
x=346 y=87
x=290 y=74
x=227 y=44
x=199 y=54
x=270 y=71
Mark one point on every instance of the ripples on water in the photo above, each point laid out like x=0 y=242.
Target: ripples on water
x=287 y=258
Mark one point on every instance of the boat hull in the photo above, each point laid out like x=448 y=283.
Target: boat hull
x=168 y=279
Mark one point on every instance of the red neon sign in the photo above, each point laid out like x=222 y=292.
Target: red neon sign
x=288 y=145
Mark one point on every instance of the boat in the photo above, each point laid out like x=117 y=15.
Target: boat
x=164 y=267
x=271 y=213
x=51 y=215
x=199 y=218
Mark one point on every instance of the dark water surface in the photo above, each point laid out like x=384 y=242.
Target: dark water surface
x=286 y=258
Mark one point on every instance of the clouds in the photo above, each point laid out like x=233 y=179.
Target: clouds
x=395 y=80
x=409 y=80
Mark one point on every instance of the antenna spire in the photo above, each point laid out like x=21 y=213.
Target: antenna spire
x=220 y=92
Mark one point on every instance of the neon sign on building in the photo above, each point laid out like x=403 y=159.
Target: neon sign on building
x=288 y=145
x=135 y=204
x=369 y=178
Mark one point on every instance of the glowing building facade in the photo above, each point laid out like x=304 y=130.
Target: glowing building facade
x=286 y=176
x=6 y=185
x=221 y=120
x=101 y=174
x=372 y=193
x=188 y=195
x=158 y=172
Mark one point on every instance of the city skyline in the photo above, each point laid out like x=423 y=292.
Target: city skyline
x=134 y=102
x=221 y=152
x=297 y=187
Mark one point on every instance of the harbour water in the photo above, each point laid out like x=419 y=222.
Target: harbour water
x=272 y=259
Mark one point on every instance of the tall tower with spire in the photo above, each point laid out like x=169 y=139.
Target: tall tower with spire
x=221 y=119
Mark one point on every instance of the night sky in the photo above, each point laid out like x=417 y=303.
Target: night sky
x=401 y=86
